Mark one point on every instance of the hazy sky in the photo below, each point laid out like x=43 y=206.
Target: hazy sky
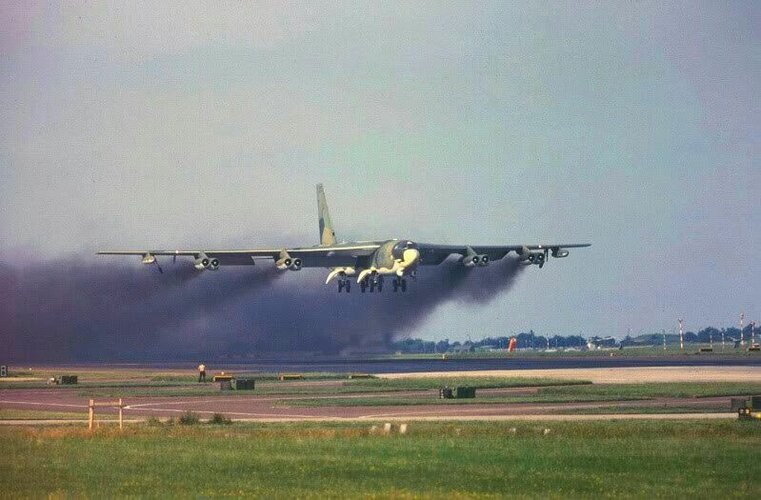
x=631 y=125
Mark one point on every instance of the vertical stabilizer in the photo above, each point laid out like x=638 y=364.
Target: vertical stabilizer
x=327 y=235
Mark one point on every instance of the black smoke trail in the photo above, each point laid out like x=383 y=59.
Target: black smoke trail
x=68 y=310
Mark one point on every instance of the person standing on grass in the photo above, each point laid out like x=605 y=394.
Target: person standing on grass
x=202 y=373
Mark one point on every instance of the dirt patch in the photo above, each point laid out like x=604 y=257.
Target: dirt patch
x=632 y=375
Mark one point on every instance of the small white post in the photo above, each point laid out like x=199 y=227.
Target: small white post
x=91 y=416
x=681 y=335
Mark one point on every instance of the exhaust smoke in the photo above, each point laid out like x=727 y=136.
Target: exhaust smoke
x=71 y=311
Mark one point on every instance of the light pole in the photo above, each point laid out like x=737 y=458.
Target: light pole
x=681 y=335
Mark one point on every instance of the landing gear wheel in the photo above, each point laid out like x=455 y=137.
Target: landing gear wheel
x=363 y=285
x=404 y=285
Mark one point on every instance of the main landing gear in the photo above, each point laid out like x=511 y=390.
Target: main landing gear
x=344 y=284
x=373 y=283
x=399 y=284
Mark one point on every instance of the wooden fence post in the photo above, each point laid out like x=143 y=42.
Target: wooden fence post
x=91 y=417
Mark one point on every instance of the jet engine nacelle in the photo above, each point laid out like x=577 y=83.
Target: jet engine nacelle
x=559 y=253
x=294 y=264
x=527 y=257
x=536 y=258
x=471 y=260
x=202 y=262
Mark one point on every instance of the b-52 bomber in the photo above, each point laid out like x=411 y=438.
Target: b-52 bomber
x=369 y=261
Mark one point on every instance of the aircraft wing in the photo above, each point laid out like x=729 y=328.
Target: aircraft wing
x=433 y=254
x=318 y=256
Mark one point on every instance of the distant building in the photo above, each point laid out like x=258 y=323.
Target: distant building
x=601 y=343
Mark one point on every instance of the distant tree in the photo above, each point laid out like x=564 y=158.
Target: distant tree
x=442 y=345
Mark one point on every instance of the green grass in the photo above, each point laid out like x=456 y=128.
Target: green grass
x=586 y=459
x=135 y=378
x=653 y=390
x=422 y=383
x=557 y=394
x=297 y=387
x=24 y=414
x=625 y=410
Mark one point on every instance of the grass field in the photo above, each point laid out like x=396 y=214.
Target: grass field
x=25 y=414
x=600 y=459
x=559 y=394
x=270 y=386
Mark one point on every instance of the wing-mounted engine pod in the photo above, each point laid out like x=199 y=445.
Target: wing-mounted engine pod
x=527 y=257
x=559 y=253
x=536 y=258
x=202 y=261
x=483 y=260
x=472 y=259
x=213 y=265
x=287 y=262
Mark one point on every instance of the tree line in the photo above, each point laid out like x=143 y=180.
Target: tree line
x=530 y=340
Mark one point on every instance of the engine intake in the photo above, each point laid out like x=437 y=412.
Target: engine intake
x=287 y=262
x=471 y=260
x=202 y=262
x=536 y=258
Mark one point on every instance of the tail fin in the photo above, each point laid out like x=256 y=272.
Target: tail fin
x=327 y=235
